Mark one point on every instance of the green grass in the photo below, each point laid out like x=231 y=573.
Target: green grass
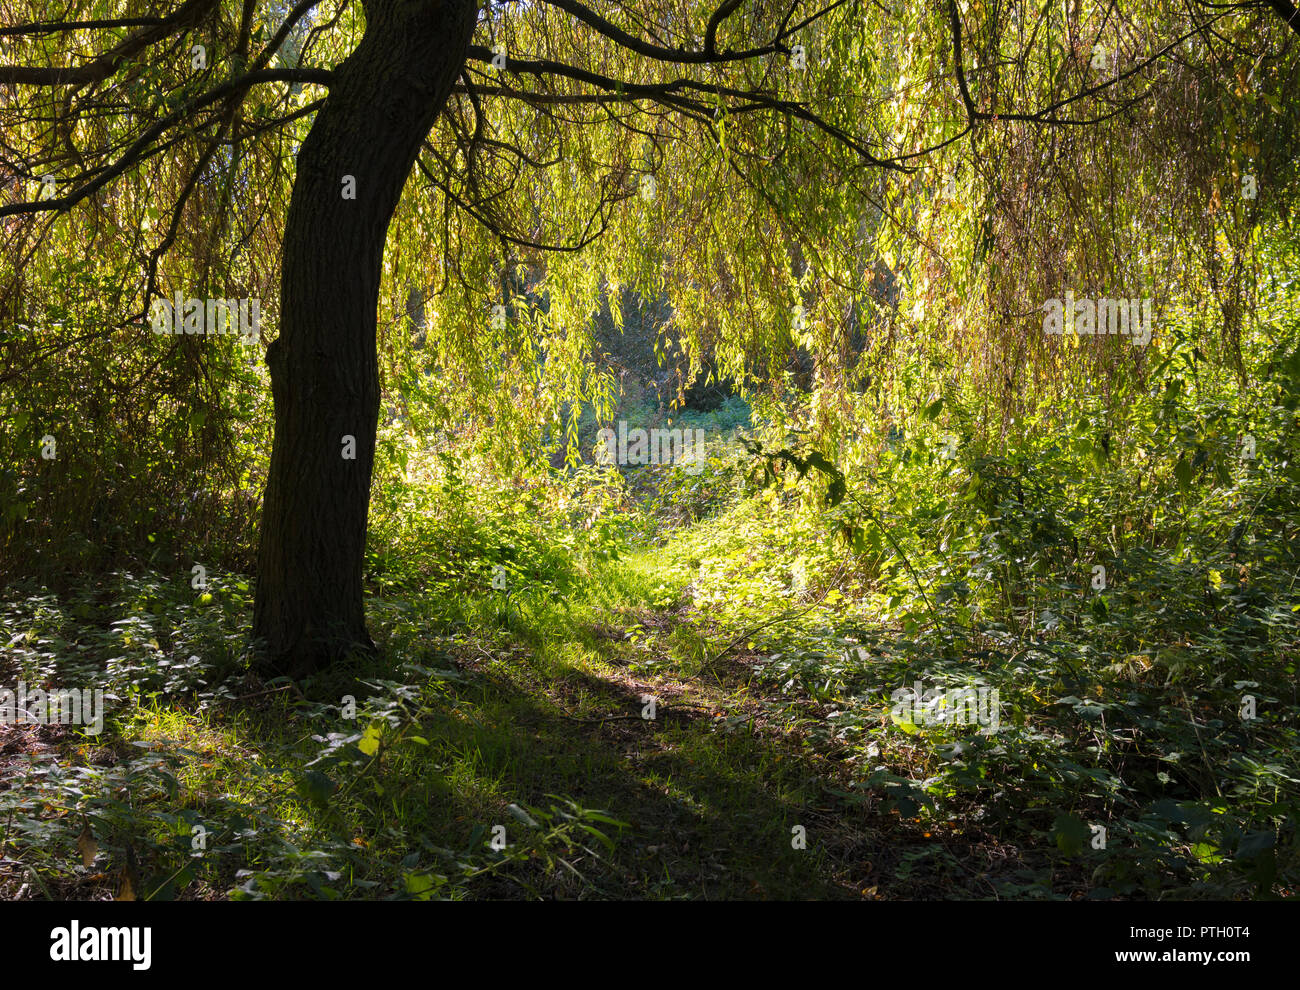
x=532 y=705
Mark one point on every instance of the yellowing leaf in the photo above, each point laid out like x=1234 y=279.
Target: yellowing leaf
x=369 y=743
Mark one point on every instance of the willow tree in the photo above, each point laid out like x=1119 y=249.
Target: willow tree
x=731 y=156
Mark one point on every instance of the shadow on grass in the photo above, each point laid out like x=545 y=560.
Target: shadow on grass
x=710 y=812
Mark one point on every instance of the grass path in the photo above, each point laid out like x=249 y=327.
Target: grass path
x=529 y=713
x=716 y=787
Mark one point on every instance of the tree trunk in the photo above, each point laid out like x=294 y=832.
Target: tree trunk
x=324 y=371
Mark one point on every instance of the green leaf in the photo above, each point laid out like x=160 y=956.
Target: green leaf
x=1071 y=833
x=316 y=787
x=1254 y=843
x=600 y=836
x=519 y=814
x=420 y=886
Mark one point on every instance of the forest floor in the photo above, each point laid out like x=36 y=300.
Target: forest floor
x=617 y=768
x=678 y=721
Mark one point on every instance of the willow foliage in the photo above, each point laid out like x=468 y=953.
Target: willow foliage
x=847 y=223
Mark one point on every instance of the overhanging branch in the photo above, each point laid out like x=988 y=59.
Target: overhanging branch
x=138 y=148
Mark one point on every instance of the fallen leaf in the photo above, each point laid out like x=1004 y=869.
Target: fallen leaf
x=86 y=845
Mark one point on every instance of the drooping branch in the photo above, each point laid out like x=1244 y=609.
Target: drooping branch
x=300 y=10
x=67 y=27
x=671 y=93
x=724 y=11
x=682 y=56
x=1288 y=12
x=190 y=13
x=1048 y=114
x=143 y=143
x=498 y=229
